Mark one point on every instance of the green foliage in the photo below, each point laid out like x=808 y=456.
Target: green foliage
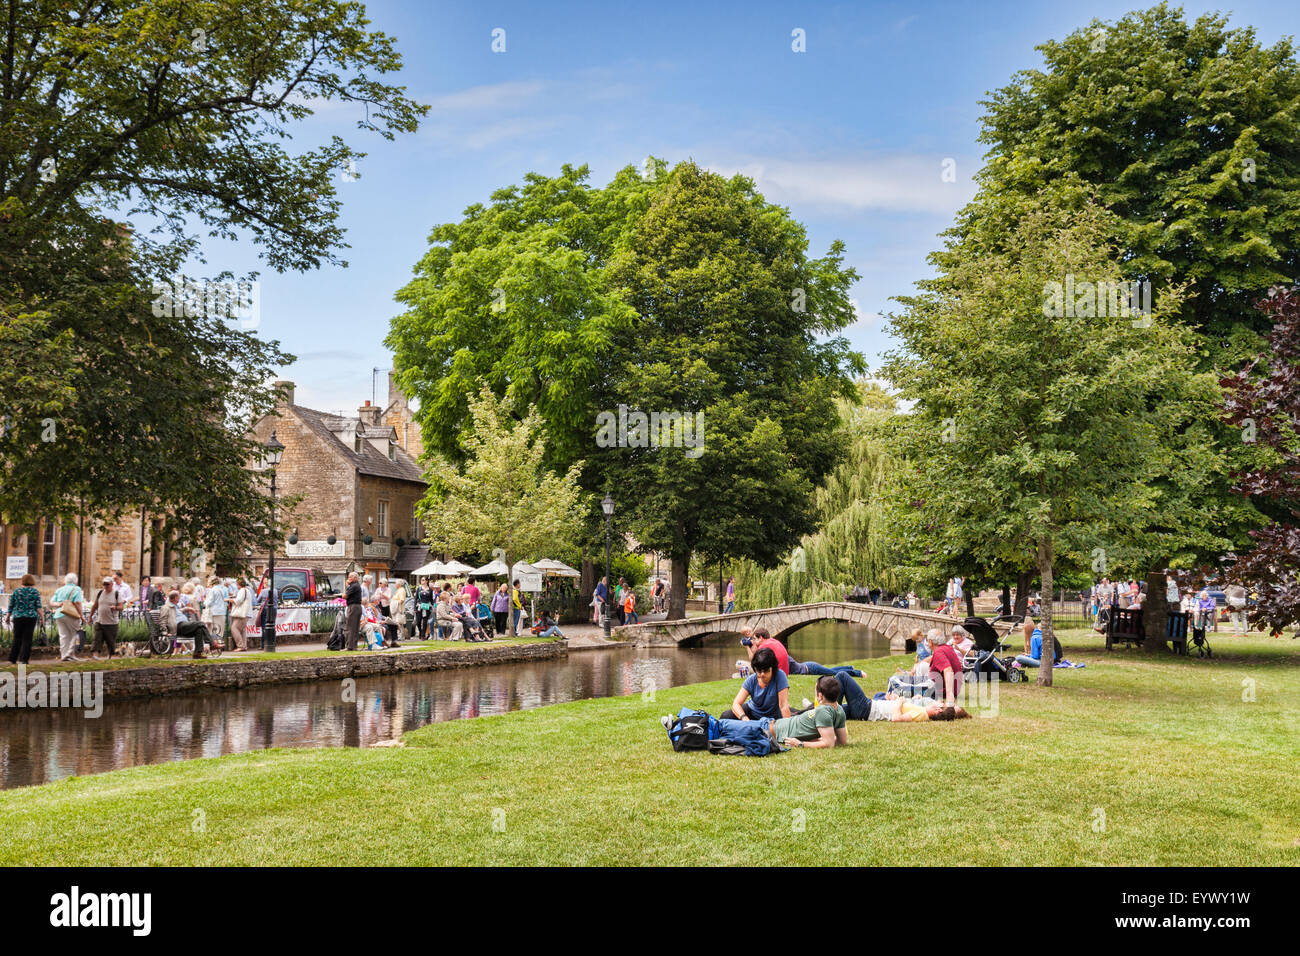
x=174 y=112
x=671 y=293
x=1040 y=432
x=504 y=501
x=1187 y=132
x=853 y=543
x=717 y=277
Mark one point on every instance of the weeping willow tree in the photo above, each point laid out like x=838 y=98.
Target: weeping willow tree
x=852 y=545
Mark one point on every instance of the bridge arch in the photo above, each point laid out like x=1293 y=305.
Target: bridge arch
x=895 y=623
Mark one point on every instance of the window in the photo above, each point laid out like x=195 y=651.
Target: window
x=47 y=549
x=356 y=443
x=381 y=522
x=415 y=526
x=392 y=451
x=32 y=533
x=65 y=550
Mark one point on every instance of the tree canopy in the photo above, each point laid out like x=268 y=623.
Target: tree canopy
x=171 y=114
x=1187 y=132
x=1050 y=430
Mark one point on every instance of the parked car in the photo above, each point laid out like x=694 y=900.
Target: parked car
x=293 y=585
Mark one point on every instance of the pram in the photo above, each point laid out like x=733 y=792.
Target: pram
x=982 y=657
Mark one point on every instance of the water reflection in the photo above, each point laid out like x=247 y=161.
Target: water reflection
x=38 y=746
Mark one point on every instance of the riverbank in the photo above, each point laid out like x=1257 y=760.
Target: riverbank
x=126 y=678
x=1133 y=760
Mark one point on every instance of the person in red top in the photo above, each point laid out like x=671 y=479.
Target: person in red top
x=945 y=667
x=761 y=637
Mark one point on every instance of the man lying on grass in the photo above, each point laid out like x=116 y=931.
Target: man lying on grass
x=822 y=726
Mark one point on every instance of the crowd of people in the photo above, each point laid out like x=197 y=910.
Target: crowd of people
x=764 y=695
x=217 y=610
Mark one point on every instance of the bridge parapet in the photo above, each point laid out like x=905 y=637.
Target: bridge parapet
x=893 y=622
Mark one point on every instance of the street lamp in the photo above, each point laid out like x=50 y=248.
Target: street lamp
x=607 y=506
x=273 y=452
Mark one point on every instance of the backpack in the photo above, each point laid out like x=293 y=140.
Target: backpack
x=692 y=730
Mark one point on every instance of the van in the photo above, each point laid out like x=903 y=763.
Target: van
x=305 y=585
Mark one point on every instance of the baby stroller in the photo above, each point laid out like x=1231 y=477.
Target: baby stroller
x=982 y=657
x=338 y=636
x=1199 y=640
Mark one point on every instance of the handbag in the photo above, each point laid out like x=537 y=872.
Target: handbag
x=70 y=609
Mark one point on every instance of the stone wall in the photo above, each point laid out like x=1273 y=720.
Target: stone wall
x=159 y=679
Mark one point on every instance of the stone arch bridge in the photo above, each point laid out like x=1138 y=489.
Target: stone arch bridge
x=895 y=623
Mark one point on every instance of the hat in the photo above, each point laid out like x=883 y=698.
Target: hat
x=108 y=580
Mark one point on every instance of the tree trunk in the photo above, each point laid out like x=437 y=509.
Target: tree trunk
x=1155 y=610
x=970 y=598
x=1006 y=599
x=680 y=585
x=1049 y=635
x=1023 y=580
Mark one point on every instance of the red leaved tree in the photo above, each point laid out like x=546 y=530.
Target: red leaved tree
x=1264 y=400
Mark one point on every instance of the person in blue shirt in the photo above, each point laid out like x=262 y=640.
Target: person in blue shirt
x=1035 y=656
x=764 y=693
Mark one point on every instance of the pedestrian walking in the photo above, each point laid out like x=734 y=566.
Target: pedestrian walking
x=23 y=615
x=69 y=605
x=731 y=595
x=241 y=607
x=501 y=608
x=104 y=615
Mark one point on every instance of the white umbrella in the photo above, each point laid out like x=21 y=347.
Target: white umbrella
x=433 y=567
x=456 y=568
x=493 y=568
x=551 y=566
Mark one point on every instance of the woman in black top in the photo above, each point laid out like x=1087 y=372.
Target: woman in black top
x=423 y=608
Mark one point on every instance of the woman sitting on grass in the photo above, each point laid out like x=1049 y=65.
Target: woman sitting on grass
x=764 y=693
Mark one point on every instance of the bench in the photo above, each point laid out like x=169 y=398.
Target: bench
x=1125 y=624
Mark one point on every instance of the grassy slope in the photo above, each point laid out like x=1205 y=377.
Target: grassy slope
x=1185 y=771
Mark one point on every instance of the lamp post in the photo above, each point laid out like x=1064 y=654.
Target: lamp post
x=274 y=452
x=607 y=506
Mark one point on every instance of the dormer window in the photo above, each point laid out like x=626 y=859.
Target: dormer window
x=356 y=443
x=392 y=451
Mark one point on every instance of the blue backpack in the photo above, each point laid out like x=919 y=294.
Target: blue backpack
x=692 y=730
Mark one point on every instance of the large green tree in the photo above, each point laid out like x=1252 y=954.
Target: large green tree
x=173 y=115
x=1047 y=418
x=1189 y=133
x=546 y=296
x=736 y=328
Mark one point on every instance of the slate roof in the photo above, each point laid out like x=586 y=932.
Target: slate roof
x=368 y=461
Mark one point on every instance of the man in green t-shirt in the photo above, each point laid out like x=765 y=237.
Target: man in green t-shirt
x=822 y=726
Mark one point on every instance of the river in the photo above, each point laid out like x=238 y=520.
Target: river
x=39 y=746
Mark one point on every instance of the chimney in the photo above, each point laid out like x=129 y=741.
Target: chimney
x=287 y=390
x=369 y=414
x=395 y=396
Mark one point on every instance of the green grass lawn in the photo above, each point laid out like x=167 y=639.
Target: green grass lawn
x=118 y=663
x=1190 y=762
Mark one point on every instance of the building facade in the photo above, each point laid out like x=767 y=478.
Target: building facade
x=359 y=485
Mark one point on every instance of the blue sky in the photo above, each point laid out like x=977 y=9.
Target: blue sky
x=851 y=135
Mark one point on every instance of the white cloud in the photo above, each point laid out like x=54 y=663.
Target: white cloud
x=898 y=183
x=493 y=96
